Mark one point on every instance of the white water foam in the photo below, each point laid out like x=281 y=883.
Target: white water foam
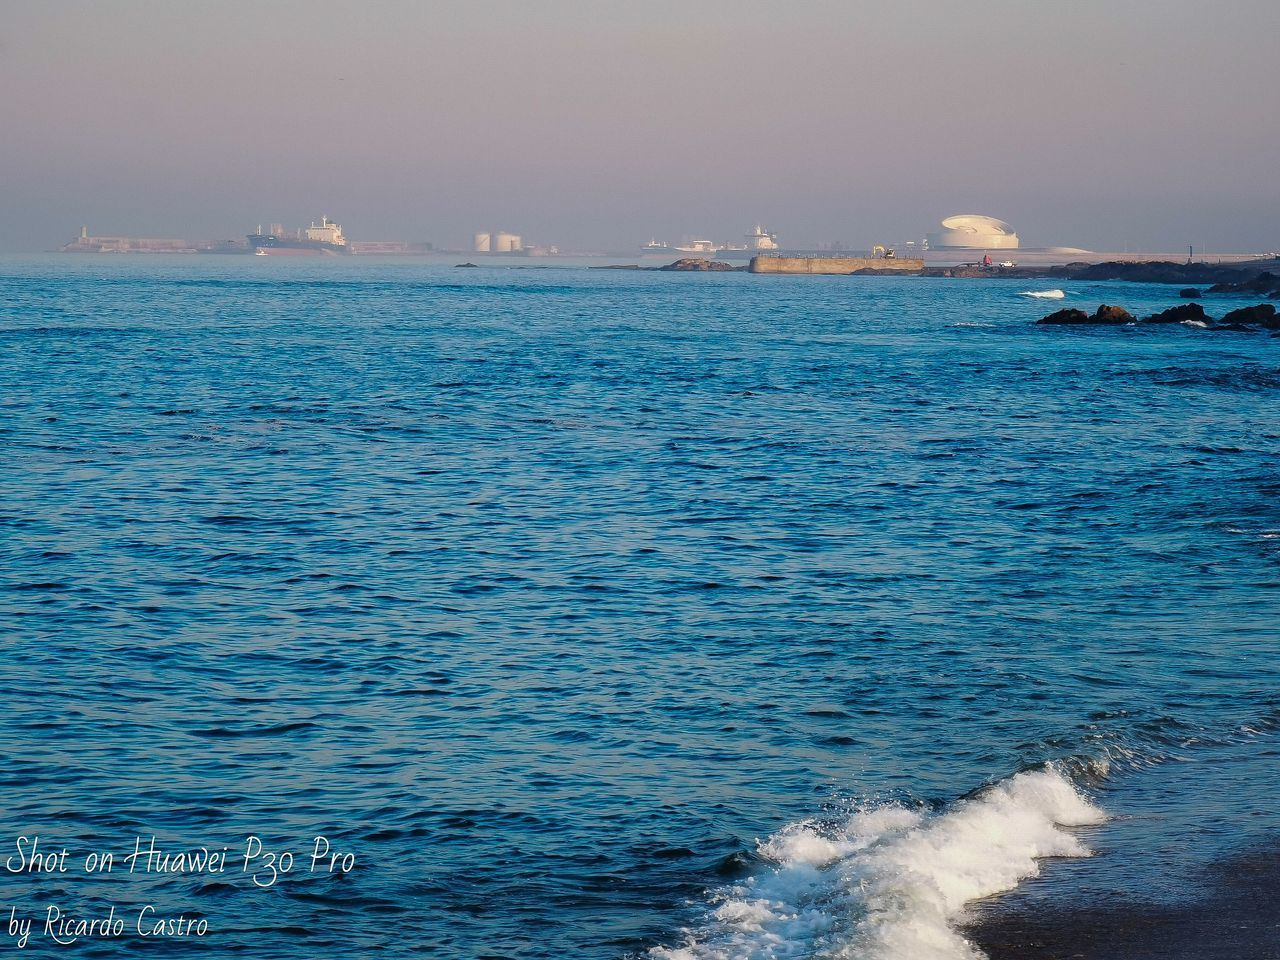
x=889 y=883
x=1044 y=294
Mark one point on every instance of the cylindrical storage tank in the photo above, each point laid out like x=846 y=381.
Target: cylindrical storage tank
x=505 y=242
x=482 y=241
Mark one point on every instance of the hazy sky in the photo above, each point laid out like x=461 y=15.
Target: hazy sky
x=1108 y=124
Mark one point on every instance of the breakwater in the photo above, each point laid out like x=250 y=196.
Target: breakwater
x=833 y=265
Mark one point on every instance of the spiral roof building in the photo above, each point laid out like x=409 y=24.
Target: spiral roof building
x=973 y=232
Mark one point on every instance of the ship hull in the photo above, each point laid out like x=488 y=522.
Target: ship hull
x=286 y=247
x=294 y=252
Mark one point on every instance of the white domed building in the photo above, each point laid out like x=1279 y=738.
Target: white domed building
x=973 y=232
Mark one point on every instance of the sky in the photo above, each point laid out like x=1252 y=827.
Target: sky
x=598 y=124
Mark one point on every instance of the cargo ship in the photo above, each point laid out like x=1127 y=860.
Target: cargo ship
x=323 y=239
x=697 y=246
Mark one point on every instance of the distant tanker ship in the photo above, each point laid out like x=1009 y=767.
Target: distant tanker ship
x=326 y=239
x=759 y=240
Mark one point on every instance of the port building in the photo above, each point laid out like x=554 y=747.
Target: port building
x=974 y=232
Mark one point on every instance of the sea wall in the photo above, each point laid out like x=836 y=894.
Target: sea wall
x=832 y=265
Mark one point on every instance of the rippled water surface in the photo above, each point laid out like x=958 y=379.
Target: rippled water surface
x=549 y=592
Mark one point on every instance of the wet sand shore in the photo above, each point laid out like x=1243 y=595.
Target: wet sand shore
x=1234 y=914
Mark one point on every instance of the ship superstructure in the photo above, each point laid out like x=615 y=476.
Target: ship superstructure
x=760 y=239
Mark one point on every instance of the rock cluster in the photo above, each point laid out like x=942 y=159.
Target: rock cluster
x=1105 y=314
x=1261 y=317
x=1266 y=284
x=701 y=265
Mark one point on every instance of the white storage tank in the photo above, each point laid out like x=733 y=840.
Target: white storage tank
x=506 y=242
x=482 y=241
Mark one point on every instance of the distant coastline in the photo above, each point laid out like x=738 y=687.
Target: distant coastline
x=1233 y=273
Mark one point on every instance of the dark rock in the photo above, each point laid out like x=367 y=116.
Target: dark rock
x=1070 y=315
x=1105 y=314
x=1189 y=293
x=1153 y=271
x=468 y=264
x=1182 y=313
x=1112 y=315
x=1149 y=271
x=697 y=264
x=1265 y=283
x=1263 y=315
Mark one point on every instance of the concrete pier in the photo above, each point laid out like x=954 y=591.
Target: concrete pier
x=832 y=265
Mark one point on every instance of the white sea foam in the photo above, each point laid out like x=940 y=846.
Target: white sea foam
x=1044 y=294
x=888 y=883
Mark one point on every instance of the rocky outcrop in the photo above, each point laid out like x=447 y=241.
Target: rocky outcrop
x=1155 y=271
x=1189 y=293
x=699 y=265
x=1265 y=283
x=467 y=264
x=1262 y=317
x=1182 y=313
x=1248 y=318
x=1106 y=315
x=1226 y=277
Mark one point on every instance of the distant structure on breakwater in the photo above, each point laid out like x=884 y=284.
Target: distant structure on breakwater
x=838 y=266
x=88 y=244
x=318 y=239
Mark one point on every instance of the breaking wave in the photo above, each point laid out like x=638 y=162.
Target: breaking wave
x=1044 y=294
x=888 y=883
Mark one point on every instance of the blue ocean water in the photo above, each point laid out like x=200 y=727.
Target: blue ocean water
x=614 y=614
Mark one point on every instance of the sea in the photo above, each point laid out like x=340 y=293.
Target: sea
x=550 y=612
